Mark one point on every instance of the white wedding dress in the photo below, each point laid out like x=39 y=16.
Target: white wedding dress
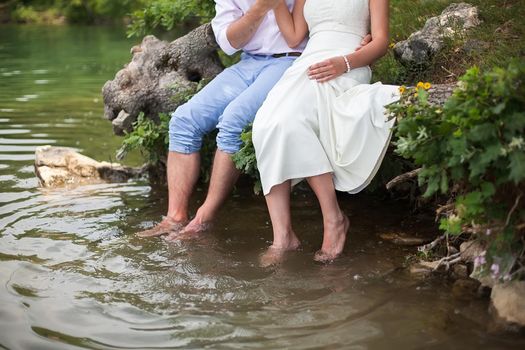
x=306 y=128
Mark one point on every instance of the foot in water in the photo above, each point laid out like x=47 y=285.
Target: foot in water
x=333 y=241
x=166 y=226
x=276 y=253
x=190 y=231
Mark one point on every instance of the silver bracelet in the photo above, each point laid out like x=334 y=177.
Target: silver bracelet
x=348 y=67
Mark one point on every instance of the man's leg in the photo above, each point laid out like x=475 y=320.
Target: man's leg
x=239 y=113
x=187 y=126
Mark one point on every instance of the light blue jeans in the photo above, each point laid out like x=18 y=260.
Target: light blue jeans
x=229 y=103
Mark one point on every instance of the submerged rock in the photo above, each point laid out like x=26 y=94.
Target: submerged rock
x=466 y=289
x=508 y=302
x=59 y=166
x=419 y=49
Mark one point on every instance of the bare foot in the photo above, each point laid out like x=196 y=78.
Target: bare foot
x=167 y=225
x=275 y=254
x=192 y=230
x=333 y=242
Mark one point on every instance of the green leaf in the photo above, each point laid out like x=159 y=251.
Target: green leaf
x=517 y=166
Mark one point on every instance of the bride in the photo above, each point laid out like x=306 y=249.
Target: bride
x=324 y=121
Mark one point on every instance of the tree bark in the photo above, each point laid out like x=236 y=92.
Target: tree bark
x=158 y=71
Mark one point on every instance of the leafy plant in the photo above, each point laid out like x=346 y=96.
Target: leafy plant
x=149 y=138
x=166 y=14
x=246 y=161
x=473 y=149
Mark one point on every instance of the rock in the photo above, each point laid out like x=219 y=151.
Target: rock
x=123 y=122
x=470 y=250
x=419 y=49
x=465 y=289
x=59 y=166
x=402 y=239
x=158 y=71
x=508 y=302
x=460 y=271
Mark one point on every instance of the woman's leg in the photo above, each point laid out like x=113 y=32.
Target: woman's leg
x=335 y=223
x=284 y=239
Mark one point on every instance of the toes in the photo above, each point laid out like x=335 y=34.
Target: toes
x=273 y=256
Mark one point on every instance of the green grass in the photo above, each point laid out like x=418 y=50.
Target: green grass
x=501 y=33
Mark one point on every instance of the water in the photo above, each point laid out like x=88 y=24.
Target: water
x=73 y=275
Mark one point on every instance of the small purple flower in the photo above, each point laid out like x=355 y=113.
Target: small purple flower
x=495 y=270
x=480 y=260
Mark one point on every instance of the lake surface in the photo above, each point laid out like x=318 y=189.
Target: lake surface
x=74 y=275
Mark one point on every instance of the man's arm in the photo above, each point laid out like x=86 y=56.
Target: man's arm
x=232 y=28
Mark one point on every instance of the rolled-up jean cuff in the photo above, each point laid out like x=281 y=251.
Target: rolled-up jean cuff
x=230 y=149
x=182 y=148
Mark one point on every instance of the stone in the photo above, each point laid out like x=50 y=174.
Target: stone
x=63 y=166
x=419 y=49
x=465 y=289
x=460 y=271
x=158 y=71
x=470 y=250
x=123 y=122
x=508 y=302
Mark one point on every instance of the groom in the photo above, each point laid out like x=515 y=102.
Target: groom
x=228 y=103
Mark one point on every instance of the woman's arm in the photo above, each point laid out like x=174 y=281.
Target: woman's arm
x=292 y=25
x=335 y=66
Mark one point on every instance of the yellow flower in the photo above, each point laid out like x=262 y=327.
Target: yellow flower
x=402 y=89
x=427 y=86
x=420 y=85
x=391 y=45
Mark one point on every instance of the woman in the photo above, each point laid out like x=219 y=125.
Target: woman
x=323 y=121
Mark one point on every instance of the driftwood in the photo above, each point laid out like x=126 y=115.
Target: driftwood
x=158 y=71
x=402 y=178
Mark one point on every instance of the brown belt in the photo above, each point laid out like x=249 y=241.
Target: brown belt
x=286 y=54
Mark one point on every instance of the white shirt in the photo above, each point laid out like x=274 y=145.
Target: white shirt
x=267 y=40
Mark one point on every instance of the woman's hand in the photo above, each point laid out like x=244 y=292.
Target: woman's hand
x=327 y=70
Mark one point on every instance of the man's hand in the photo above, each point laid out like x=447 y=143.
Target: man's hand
x=328 y=69
x=240 y=32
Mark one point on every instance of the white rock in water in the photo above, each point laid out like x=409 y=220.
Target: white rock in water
x=508 y=301
x=59 y=166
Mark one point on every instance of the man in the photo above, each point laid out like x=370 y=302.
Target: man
x=229 y=103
